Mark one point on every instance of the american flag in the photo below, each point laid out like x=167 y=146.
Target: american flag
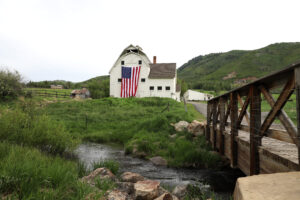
x=130 y=80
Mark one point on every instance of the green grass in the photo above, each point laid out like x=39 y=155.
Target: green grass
x=28 y=174
x=112 y=165
x=135 y=123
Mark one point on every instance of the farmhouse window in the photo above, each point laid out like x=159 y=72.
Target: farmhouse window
x=119 y=80
x=122 y=62
x=140 y=62
x=143 y=80
x=151 y=87
x=159 y=87
x=168 y=88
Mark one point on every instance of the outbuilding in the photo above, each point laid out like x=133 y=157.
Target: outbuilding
x=81 y=94
x=192 y=95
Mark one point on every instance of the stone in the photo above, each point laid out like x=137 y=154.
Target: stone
x=173 y=136
x=102 y=173
x=181 y=126
x=117 y=195
x=131 y=177
x=196 y=128
x=180 y=191
x=165 y=196
x=146 y=190
x=127 y=187
x=137 y=153
x=158 y=161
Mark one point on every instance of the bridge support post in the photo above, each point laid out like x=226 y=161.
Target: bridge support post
x=222 y=124
x=234 y=128
x=208 y=122
x=297 y=88
x=255 y=124
x=215 y=120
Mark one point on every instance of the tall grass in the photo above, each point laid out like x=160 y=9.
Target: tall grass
x=28 y=174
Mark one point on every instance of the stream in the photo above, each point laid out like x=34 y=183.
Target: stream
x=222 y=182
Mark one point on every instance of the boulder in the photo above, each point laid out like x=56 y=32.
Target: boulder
x=117 y=195
x=131 y=177
x=146 y=190
x=180 y=191
x=173 y=136
x=102 y=173
x=126 y=187
x=165 y=196
x=137 y=153
x=181 y=126
x=159 y=161
x=196 y=128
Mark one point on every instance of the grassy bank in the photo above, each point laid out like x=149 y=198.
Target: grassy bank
x=137 y=123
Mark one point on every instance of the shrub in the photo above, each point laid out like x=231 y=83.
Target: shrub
x=10 y=84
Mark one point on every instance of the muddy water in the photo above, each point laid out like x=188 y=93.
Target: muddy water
x=221 y=182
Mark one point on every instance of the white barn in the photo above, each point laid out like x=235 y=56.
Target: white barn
x=191 y=95
x=153 y=80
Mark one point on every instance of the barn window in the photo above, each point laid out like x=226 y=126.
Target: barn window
x=140 y=62
x=122 y=62
x=159 y=87
x=143 y=80
x=119 y=80
x=151 y=87
x=168 y=88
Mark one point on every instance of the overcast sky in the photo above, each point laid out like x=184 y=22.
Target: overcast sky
x=79 y=39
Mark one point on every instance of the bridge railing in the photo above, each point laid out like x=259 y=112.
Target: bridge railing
x=223 y=111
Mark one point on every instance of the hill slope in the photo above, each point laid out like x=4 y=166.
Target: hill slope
x=219 y=71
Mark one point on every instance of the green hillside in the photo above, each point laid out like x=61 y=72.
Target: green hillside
x=224 y=71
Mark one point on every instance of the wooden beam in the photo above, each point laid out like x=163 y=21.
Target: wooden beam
x=222 y=125
x=215 y=119
x=283 y=117
x=297 y=87
x=255 y=123
x=208 y=121
x=243 y=111
x=227 y=113
x=234 y=130
x=282 y=99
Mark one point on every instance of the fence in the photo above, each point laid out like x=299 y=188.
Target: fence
x=47 y=93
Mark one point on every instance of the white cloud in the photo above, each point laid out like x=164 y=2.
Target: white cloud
x=76 y=40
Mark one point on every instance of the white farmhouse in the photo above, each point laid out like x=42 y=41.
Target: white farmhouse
x=191 y=95
x=152 y=79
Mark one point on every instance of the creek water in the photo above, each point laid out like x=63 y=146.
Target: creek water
x=222 y=182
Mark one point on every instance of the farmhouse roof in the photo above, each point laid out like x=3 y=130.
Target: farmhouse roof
x=162 y=70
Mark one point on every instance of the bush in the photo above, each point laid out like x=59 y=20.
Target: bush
x=10 y=84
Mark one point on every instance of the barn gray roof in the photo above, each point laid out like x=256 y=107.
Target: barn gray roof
x=162 y=70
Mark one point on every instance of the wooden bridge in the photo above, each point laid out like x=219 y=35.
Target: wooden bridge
x=239 y=133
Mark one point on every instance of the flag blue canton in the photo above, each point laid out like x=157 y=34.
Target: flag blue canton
x=126 y=72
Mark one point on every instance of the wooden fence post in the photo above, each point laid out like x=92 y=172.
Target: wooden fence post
x=234 y=130
x=215 y=119
x=255 y=124
x=222 y=124
x=297 y=88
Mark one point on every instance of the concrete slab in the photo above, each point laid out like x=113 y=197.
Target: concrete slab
x=268 y=187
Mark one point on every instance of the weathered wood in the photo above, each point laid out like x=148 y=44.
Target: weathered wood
x=208 y=121
x=234 y=130
x=255 y=124
x=282 y=99
x=222 y=125
x=243 y=111
x=282 y=116
x=215 y=118
x=297 y=87
x=227 y=112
